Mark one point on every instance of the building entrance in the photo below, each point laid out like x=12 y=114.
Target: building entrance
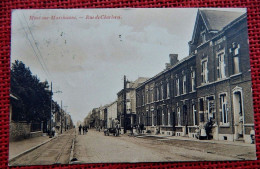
x=238 y=114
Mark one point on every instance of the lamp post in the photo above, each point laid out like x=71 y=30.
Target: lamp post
x=124 y=102
x=51 y=112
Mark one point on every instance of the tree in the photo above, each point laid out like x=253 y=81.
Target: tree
x=33 y=102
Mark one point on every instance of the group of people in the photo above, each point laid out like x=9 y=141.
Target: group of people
x=204 y=131
x=84 y=129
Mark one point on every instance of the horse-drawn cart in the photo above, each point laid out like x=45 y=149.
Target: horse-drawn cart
x=113 y=131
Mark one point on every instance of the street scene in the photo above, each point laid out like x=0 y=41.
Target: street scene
x=94 y=147
x=98 y=86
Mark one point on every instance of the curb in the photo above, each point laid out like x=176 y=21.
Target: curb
x=201 y=141
x=29 y=150
x=72 y=150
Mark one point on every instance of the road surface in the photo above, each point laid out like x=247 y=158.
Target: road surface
x=95 y=148
x=56 y=151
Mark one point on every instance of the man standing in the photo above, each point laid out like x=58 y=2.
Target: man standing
x=80 y=129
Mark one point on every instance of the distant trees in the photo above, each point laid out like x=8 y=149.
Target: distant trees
x=33 y=102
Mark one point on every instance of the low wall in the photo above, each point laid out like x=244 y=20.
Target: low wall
x=19 y=130
x=36 y=134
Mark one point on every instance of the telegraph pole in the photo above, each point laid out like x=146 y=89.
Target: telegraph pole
x=61 y=117
x=50 y=127
x=124 y=95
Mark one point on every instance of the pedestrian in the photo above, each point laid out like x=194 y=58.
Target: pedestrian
x=80 y=129
x=197 y=131
x=117 y=130
x=252 y=135
x=83 y=130
x=208 y=128
x=53 y=131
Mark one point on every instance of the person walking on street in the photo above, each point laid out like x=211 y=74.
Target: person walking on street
x=80 y=129
x=83 y=130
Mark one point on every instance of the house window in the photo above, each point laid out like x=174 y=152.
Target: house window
x=221 y=65
x=177 y=87
x=151 y=95
x=143 y=99
x=236 y=60
x=203 y=36
x=211 y=107
x=163 y=120
x=223 y=108
x=179 y=116
x=157 y=93
x=169 y=117
x=162 y=92
x=147 y=96
x=184 y=88
x=204 y=71
x=201 y=110
x=194 y=111
x=193 y=81
x=152 y=118
x=168 y=90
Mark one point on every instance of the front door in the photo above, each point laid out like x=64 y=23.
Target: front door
x=238 y=114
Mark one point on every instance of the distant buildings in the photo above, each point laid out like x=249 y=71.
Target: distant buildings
x=112 y=115
x=126 y=104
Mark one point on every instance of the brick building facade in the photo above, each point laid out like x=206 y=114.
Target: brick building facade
x=212 y=83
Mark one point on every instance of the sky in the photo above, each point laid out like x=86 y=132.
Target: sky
x=85 y=54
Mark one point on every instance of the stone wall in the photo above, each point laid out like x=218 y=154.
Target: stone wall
x=19 y=130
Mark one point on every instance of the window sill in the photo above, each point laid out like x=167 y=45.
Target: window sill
x=222 y=79
x=224 y=124
x=234 y=75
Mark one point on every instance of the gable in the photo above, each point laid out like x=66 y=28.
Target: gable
x=212 y=21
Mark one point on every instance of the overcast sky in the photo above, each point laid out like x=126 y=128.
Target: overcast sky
x=86 y=59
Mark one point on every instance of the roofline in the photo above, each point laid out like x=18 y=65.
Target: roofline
x=196 y=24
x=227 y=27
x=166 y=70
x=243 y=16
x=195 y=27
x=213 y=31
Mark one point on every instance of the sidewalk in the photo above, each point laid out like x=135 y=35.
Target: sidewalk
x=197 y=140
x=18 y=147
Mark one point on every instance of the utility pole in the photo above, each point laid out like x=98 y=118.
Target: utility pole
x=50 y=127
x=61 y=116
x=124 y=95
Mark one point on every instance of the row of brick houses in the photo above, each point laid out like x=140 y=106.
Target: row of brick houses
x=212 y=83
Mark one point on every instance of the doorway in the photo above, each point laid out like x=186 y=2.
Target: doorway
x=238 y=113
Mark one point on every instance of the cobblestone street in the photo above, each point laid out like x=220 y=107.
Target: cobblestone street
x=95 y=147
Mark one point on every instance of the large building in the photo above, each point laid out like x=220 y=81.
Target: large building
x=126 y=104
x=111 y=117
x=213 y=83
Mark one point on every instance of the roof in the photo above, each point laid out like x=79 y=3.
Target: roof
x=138 y=81
x=214 y=20
x=217 y=20
x=166 y=70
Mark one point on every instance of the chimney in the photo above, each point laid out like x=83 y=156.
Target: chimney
x=167 y=65
x=173 y=59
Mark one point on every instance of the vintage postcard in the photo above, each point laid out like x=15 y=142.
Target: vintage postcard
x=130 y=85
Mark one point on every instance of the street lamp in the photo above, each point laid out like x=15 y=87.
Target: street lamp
x=51 y=115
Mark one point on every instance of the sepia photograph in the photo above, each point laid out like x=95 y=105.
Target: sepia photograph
x=130 y=85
